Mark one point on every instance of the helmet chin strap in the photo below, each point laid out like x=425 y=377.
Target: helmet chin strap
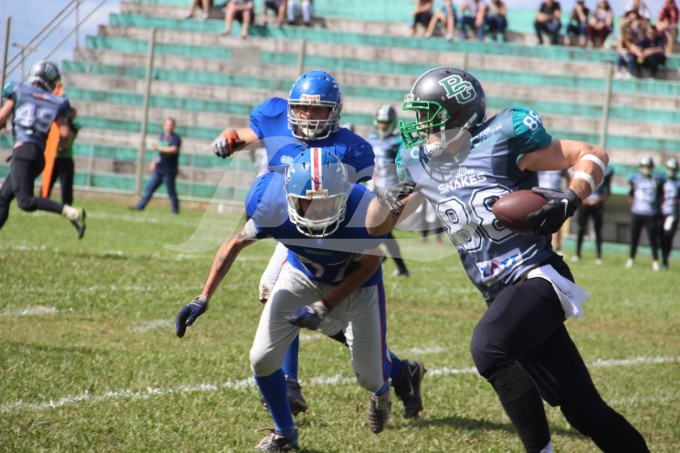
x=436 y=149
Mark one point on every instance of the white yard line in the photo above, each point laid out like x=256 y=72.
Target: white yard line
x=150 y=392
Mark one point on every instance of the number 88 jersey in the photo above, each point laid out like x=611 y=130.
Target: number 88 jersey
x=463 y=190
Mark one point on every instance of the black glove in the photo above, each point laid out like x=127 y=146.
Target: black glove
x=392 y=197
x=560 y=206
x=189 y=313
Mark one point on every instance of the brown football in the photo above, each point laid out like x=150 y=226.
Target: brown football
x=512 y=210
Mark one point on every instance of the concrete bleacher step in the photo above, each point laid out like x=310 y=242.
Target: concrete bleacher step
x=527 y=71
x=555 y=53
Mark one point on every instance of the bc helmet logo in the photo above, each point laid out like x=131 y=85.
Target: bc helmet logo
x=456 y=87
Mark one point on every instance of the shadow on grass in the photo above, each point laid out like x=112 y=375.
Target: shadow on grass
x=471 y=424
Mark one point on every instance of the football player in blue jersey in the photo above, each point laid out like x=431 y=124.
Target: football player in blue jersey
x=386 y=142
x=645 y=198
x=310 y=117
x=34 y=109
x=462 y=162
x=330 y=277
x=669 y=210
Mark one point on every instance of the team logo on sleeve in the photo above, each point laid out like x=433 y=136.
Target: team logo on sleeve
x=456 y=87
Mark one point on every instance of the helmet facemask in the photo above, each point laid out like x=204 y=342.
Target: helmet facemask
x=317 y=189
x=312 y=129
x=434 y=130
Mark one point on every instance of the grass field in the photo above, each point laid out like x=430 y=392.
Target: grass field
x=89 y=360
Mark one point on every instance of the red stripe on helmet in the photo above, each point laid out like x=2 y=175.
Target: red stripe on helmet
x=316 y=168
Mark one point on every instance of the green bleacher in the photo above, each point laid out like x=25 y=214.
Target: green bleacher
x=191 y=40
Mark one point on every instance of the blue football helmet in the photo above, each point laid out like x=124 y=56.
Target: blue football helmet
x=317 y=188
x=314 y=88
x=45 y=74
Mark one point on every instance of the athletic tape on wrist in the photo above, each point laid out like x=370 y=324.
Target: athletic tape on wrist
x=587 y=178
x=597 y=160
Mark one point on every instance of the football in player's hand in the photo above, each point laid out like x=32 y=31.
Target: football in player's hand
x=512 y=210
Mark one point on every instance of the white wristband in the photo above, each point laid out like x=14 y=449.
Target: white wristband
x=587 y=178
x=597 y=160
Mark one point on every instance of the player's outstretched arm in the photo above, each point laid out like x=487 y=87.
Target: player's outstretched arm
x=231 y=140
x=310 y=316
x=382 y=216
x=222 y=262
x=5 y=112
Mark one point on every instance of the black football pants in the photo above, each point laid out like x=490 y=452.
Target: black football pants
x=520 y=341
x=27 y=163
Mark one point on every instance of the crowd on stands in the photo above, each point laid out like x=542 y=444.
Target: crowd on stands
x=642 y=42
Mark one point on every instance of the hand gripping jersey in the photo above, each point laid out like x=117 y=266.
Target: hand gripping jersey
x=385 y=155
x=463 y=194
x=646 y=192
x=34 y=112
x=269 y=120
x=326 y=259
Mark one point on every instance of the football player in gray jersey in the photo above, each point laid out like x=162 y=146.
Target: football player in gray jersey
x=34 y=108
x=462 y=163
x=386 y=142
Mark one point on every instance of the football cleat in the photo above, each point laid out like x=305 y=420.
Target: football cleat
x=79 y=223
x=401 y=273
x=295 y=398
x=407 y=388
x=379 y=408
x=277 y=442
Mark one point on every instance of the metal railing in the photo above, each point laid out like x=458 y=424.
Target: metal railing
x=35 y=44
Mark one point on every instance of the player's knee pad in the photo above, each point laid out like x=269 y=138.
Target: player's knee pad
x=488 y=351
x=511 y=383
x=27 y=202
x=588 y=415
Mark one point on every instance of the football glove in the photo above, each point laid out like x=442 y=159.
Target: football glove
x=309 y=316
x=392 y=197
x=224 y=146
x=560 y=206
x=189 y=313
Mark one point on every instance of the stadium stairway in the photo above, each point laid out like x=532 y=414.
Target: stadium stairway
x=208 y=82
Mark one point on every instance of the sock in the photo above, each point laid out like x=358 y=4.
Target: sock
x=548 y=448
x=70 y=212
x=275 y=394
x=384 y=389
x=397 y=365
x=290 y=363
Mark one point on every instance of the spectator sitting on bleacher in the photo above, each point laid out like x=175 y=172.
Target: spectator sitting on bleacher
x=242 y=11
x=626 y=52
x=205 y=5
x=576 y=28
x=304 y=8
x=445 y=13
x=422 y=14
x=548 y=20
x=473 y=18
x=640 y=10
x=278 y=7
x=600 y=24
x=496 y=20
x=651 y=45
x=667 y=22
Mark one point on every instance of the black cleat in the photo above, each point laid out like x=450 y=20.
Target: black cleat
x=295 y=398
x=407 y=388
x=79 y=223
x=276 y=442
x=379 y=408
